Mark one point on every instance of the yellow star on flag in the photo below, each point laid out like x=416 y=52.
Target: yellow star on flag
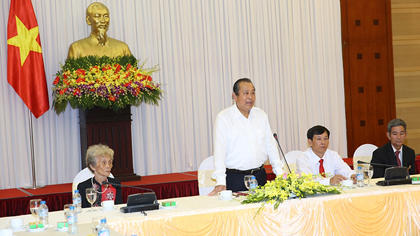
x=25 y=40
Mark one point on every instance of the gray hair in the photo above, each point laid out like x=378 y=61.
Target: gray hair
x=98 y=150
x=395 y=123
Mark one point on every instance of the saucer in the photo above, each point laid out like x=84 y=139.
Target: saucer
x=225 y=199
x=64 y=229
x=109 y=209
x=22 y=228
x=37 y=229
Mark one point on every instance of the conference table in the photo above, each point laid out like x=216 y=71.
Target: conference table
x=376 y=210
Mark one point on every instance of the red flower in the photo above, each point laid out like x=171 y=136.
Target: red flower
x=63 y=91
x=76 y=92
x=66 y=82
x=127 y=84
x=57 y=79
x=128 y=66
x=127 y=75
x=80 y=72
x=117 y=68
x=107 y=67
x=111 y=98
x=65 y=76
x=149 y=87
x=79 y=80
x=149 y=78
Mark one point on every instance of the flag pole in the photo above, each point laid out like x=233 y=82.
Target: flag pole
x=31 y=131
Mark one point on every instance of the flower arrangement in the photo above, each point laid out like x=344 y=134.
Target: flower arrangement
x=283 y=187
x=104 y=82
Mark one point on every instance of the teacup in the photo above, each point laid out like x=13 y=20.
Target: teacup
x=16 y=223
x=108 y=204
x=6 y=232
x=225 y=195
x=347 y=182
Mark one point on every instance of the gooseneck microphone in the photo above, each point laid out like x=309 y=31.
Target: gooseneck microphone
x=275 y=137
x=376 y=164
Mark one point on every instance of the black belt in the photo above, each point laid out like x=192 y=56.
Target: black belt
x=248 y=172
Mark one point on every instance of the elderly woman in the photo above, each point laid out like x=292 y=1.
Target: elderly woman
x=99 y=161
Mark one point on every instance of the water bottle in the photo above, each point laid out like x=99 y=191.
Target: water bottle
x=254 y=183
x=72 y=221
x=77 y=201
x=103 y=228
x=43 y=214
x=359 y=176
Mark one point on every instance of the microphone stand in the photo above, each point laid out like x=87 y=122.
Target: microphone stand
x=275 y=137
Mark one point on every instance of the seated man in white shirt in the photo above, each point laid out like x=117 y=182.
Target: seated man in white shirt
x=319 y=159
x=242 y=141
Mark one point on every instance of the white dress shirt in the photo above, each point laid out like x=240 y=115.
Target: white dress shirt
x=308 y=162
x=400 y=154
x=243 y=143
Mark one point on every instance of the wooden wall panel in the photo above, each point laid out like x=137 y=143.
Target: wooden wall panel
x=368 y=71
x=406 y=41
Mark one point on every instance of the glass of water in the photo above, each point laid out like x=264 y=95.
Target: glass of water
x=66 y=209
x=368 y=172
x=247 y=181
x=96 y=222
x=91 y=197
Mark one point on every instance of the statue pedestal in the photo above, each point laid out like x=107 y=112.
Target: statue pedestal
x=99 y=125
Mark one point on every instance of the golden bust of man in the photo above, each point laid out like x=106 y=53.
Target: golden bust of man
x=98 y=43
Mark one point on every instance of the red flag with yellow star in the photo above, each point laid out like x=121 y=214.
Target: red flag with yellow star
x=25 y=66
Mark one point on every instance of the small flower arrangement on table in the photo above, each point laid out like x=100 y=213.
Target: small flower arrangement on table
x=105 y=82
x=285 y=186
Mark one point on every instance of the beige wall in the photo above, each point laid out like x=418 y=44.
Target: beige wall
x=406 y=44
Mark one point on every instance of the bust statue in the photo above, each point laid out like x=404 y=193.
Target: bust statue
x=98 y=43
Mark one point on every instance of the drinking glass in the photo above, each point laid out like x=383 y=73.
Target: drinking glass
x=247 y=181
x=96 y=221
x=91 y=197
x=34 y=208
x=66 y=210
x=370 y=174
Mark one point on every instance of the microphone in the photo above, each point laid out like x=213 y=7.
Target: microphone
x=138 y=202
x=275 y=137
x=376 y=164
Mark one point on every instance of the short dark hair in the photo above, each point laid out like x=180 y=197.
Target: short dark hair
x=395 y=123
x=317 y=130
x=236 y=85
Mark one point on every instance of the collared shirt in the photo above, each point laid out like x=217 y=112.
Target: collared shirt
x=308 y=163
x=243 y=143
x=400 y=155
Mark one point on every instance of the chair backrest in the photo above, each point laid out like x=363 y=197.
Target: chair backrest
x=291 y=160
x=363 y=153
x=82 y=176
x=205 y=182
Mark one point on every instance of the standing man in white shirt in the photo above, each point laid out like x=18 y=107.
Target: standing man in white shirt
x=319 y=159
x=242 y=141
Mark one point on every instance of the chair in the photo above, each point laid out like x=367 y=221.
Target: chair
x=363 y=153
x=205 y=182
x=82 y=176
x=291 y=160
